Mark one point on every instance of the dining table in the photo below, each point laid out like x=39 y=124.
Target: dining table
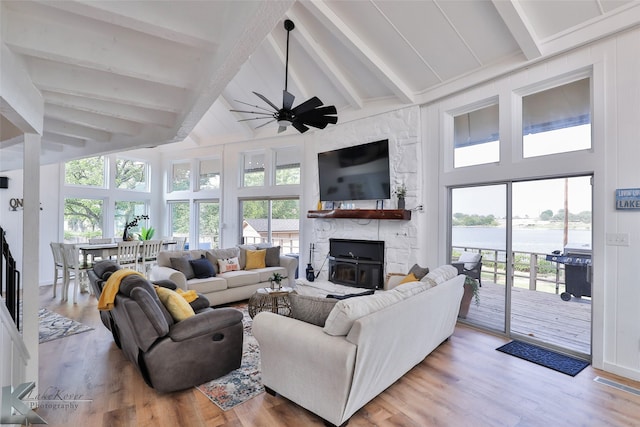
x=105 y=250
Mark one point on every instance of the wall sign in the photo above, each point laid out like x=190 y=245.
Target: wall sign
x=628 y=198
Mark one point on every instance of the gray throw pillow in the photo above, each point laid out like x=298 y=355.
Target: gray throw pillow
x=314 y=310
x=272 y=259
x=182 y=264
x=418 y=271
x=242 y=259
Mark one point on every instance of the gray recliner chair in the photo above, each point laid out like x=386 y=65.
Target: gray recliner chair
x=170 y=355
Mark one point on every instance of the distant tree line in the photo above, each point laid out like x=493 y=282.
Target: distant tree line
x=464 y=220
x=584 y=216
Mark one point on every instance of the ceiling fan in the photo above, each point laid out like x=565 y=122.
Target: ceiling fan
x=309 y=113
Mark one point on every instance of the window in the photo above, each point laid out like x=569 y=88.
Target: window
x=132 y=174
x=253 y=170
x=209 y=174
x=180 y=177
x=287 y=166
x=476 y=137
x=208 y=224
x=125 y=212
x=557 y=120
x=82 y=219
x=178 y=218
x=274 y=221
x=90 y=171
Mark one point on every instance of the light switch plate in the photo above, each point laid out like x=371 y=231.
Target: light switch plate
x=618 y=239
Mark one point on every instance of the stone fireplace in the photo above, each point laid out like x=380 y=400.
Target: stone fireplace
x=357 y=263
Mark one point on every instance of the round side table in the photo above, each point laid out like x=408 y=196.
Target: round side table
x=267 y=299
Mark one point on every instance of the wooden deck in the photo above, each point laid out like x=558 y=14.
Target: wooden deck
x=540 y=315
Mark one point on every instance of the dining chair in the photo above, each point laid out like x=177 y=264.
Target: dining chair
x=73 y=268
x=149 y=255
x=58 y=265
x=128 y=254
x=180 y=243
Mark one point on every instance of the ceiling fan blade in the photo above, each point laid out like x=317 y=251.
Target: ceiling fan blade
x=264 y=98
x=307 y=105
x=299 y=126
x=264 y=124
x=252 y=112
x=287 y=100
x=252 y=105
x=257 y=118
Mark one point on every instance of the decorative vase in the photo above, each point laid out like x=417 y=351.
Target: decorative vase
x=275 y=285
x=400 y=202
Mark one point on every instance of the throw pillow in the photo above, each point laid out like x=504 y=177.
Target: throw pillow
x=214 y=255
x=347 y=296
x=229 y=264
x=202 y=268
x=272 y=259
x=243 y=254
x=418 y=271
x=310 y=309
x=175 y=304
x=256 y=259
x=408 y=278
x=470 y=259
x=182 y=264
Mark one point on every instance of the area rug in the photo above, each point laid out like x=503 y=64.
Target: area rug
x=245 y=382
x=54 y=326
x=543 y=357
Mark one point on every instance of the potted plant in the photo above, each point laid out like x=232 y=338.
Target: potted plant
x=401 y=193
x=276 y=279
x=471 y=291
x=147 y=233
x=125 y=235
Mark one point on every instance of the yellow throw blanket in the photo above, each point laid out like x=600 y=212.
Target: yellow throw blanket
x=110 y=289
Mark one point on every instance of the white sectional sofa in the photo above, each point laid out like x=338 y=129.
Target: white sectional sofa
x=225 y=287
x=366 y=344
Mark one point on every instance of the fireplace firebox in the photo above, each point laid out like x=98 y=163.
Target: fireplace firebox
x=357 y=263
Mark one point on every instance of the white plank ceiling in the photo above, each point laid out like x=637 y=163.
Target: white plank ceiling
x=117 y=75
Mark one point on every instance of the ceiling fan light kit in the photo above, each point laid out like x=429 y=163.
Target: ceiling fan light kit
x=310 y=113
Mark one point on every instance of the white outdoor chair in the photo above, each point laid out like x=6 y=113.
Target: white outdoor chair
x=73 y=267
x=149 y=254
x=180 y=243
x=128 y=254
x=58 y=265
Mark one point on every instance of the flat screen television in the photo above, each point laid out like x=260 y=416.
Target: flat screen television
x=360 y=172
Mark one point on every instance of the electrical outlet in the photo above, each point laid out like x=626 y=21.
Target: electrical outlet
x=618 y=239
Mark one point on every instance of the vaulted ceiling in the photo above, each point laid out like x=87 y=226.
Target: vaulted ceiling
x=105 y=76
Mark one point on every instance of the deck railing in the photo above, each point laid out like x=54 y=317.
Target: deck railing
x=530 y=269
x=10 y=276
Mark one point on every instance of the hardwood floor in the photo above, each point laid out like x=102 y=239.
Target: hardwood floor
x=464 y=382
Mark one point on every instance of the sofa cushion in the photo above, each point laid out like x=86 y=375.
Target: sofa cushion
x=228 y=264
x=239 y=278
x=418 y=271
x=310 y=309
x=441 y=274
x=349 y=310
x=202 y=268
x=208 y=285
x=413 y=288
x=215 y=254
x=182 y=265
x=255 y=259
x=175 y=303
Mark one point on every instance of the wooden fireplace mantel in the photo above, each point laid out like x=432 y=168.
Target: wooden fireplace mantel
x=398 y=214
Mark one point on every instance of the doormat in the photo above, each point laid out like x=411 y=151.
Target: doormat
x=244 y=383
x=543 y=357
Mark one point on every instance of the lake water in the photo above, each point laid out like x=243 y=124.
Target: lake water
x=539 y=240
